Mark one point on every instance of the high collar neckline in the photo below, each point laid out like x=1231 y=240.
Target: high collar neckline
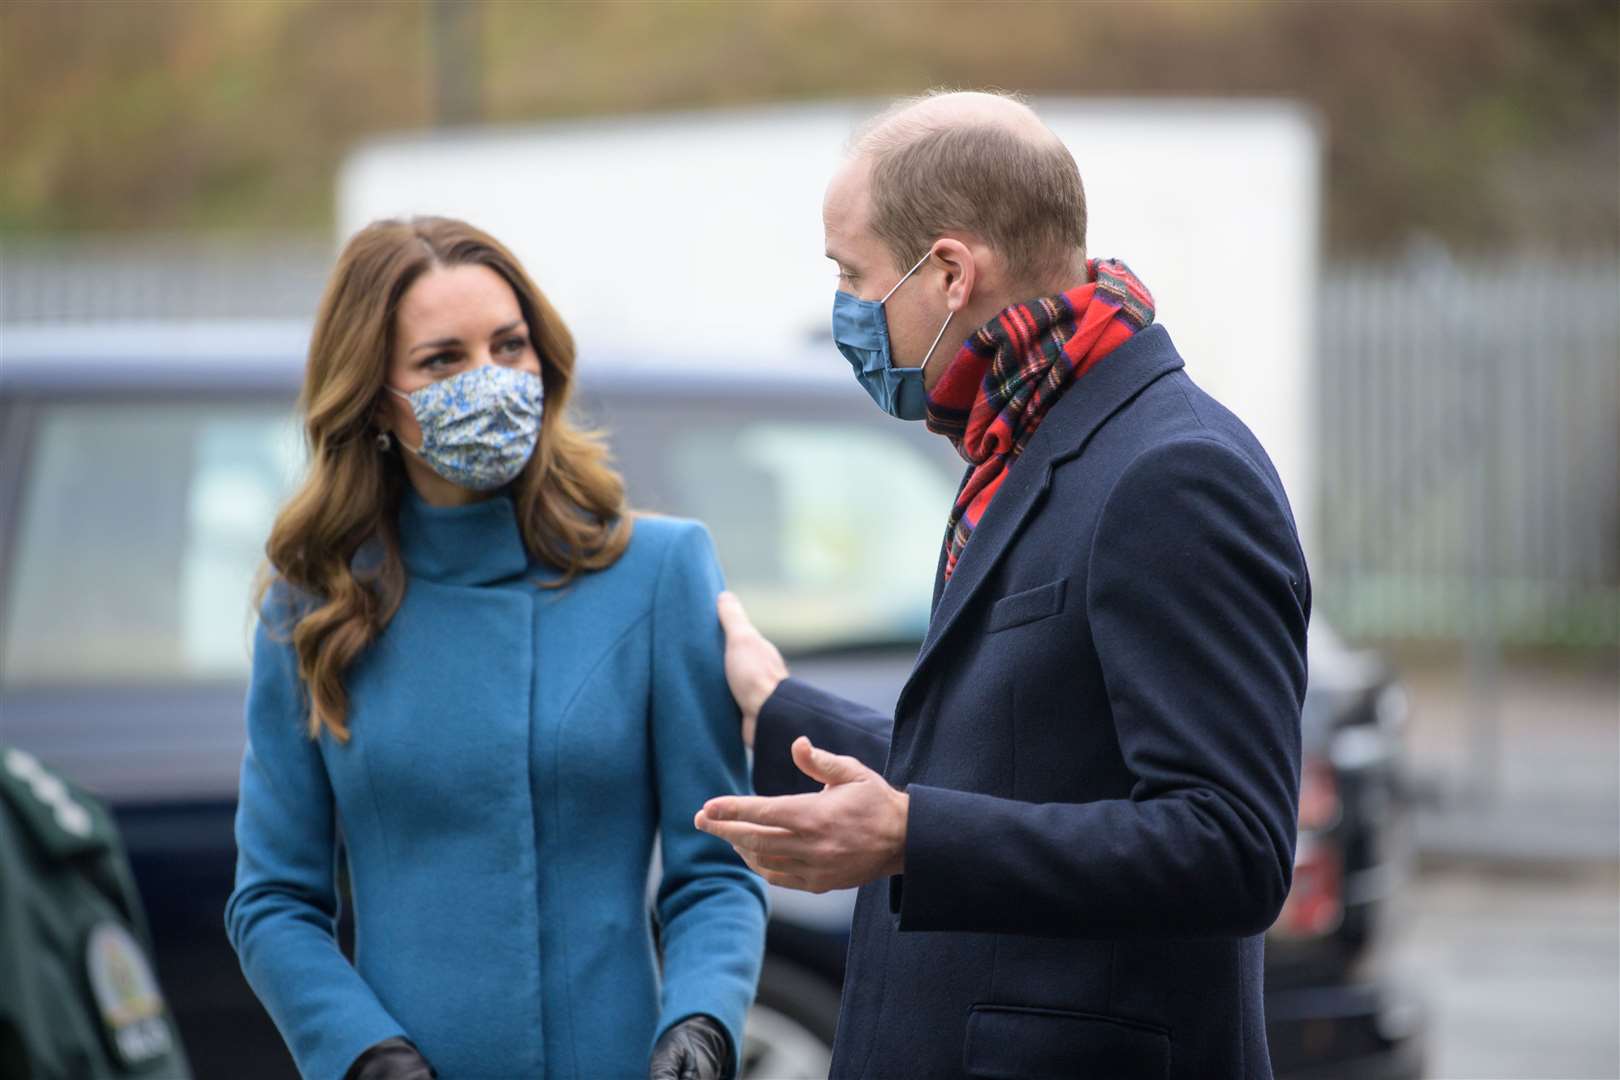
x=476 y=544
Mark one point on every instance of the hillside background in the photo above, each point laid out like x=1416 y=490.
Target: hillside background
x=1483 y=125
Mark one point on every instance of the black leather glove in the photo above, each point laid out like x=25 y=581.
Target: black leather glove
x=697 y=1048
x=391 y=1059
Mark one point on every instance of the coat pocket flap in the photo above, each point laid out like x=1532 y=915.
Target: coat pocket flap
x=1013 y=1043
x=1029 y=605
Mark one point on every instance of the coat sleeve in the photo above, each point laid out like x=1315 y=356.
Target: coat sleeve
x=283 y=912
x=833 y=723
x=1198 y=601
x=711 y=907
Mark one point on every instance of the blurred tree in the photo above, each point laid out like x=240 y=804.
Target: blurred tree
x=1484 y=123
x=458 y=62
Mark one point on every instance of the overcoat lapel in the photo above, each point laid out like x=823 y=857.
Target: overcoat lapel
x=1102 y=392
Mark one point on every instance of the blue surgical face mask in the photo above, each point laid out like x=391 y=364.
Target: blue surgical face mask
x=479 y=428
x=861 y=332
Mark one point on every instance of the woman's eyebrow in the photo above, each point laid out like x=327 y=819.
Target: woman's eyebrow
x=444 y=343
x=441 y=343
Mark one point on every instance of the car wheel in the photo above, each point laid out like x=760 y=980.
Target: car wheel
x=790 y=1028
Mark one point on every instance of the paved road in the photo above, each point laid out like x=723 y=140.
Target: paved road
x=1550 y=772
x=1522 y=968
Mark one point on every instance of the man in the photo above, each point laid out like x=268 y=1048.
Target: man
x=78 y=996
x=1081 y=818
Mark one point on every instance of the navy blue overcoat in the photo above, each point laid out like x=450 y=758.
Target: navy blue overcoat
x=1100 y=740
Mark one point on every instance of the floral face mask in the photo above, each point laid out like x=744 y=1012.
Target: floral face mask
x=479 y=428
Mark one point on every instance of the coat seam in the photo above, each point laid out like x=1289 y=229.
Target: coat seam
x=1243 y=1024
x=556 y=796
x=534 y=824
x=607 y=654
x=556 y=812
x=650 y=617
x=376 y=811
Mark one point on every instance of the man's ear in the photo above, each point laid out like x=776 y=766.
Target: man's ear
x=961 y=273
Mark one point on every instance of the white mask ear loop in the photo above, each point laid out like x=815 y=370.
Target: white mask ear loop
x=417 y=450
x=907 y=274
x=949 y=315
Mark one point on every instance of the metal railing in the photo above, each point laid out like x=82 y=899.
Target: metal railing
x=161 y=277
x=1470 y=450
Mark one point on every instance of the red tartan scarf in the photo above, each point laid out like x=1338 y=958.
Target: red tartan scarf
x=998 y=388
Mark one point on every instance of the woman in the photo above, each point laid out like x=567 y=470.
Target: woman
x=502 y=688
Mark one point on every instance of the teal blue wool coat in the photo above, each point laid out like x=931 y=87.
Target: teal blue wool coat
x=515 y=753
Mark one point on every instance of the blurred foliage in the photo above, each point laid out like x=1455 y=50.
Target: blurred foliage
x=1484 y=123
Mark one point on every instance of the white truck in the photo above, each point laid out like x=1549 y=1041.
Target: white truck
x=698 y=235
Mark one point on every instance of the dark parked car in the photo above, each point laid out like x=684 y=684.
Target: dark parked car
x=140 y=468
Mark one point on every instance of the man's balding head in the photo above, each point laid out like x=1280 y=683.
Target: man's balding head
x=910 y=118
x=976 y=163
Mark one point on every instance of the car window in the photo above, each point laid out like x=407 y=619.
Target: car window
x=142 y=527
x=827 y=527
x=140 y=533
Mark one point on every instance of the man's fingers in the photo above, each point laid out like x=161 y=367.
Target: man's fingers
x=822 y=765
x=734 y=808
x=734 y=830
x=766 y=855
x=781 y=864
x=786 y=880
x=783 y=811
x=732 y=616
x=746 y=836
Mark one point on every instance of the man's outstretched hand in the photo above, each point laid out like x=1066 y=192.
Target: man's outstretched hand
x=850 y=832
x=754 y=667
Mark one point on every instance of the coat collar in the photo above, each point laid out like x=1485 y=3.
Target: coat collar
x=477 y=544
x=1089 y=402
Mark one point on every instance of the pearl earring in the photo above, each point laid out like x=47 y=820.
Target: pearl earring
x=385 y=442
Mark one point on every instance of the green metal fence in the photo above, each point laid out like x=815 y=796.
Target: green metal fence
x=1470 y=450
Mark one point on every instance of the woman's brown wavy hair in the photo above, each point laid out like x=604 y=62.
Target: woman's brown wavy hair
x=570 y=502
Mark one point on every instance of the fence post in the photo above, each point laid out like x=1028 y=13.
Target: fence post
x=1483 y=650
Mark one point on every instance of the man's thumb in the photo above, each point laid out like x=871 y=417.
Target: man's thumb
x=732 y=616
x=822 y=765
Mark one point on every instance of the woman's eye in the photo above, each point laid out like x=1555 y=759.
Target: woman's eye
x=514 y=346
x=438 y=361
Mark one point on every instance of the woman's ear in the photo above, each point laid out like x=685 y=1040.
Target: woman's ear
x=960 y=271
